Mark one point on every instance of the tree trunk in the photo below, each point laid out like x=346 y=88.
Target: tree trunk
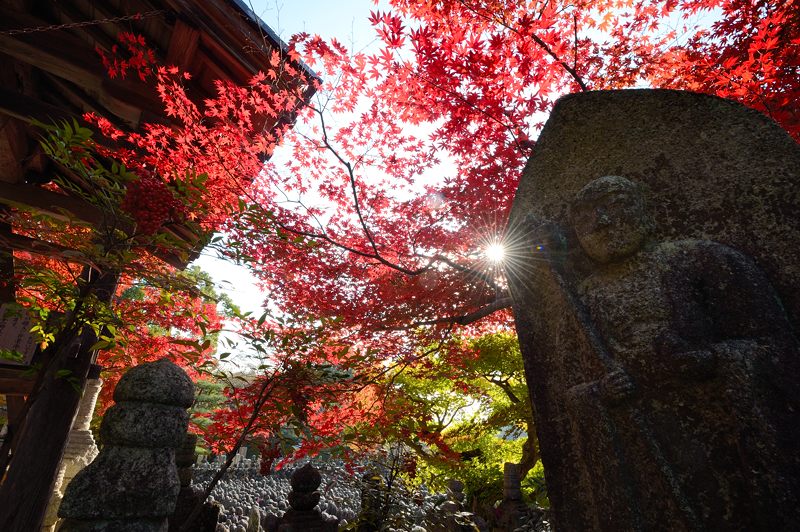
x=25 y=493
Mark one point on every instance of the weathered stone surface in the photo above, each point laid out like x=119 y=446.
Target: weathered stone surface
x=133 y=484
x=159 y=382
x=658 y=311
x=512 y=511
x=144 y=425
x=711 y=169
x=185 y=455
x=80 y=451
x=123 y=483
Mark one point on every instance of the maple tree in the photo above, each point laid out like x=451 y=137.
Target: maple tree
x=403 y=169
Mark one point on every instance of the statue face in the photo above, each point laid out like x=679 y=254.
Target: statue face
x=610 y=219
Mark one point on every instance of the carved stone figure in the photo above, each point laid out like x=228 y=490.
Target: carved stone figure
x=695 y=333
x=512 y=511
x=662 y=363
x=372 y=496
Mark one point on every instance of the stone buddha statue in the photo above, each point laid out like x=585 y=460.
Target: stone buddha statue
x=682 y=410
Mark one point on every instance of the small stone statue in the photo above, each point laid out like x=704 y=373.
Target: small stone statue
x=372 y=502
x=189 y=497
x=303 y=516
x=133 y=483
x=456 y=519
x=455 y=497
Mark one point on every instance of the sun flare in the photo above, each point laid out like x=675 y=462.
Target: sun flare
x=495 y=252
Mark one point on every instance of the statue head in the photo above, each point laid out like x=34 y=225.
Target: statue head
x=610 y=218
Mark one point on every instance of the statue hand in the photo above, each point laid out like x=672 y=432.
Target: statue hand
x=616 y=387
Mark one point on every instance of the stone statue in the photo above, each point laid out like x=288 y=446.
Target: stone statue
x=694 y=333
x=512 y=511
x=657 y=312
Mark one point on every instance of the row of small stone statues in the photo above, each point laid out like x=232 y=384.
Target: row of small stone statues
x=240 y=460
x=132 y=484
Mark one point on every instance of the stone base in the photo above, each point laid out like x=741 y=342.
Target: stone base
x=312 y=521
x=187 y=499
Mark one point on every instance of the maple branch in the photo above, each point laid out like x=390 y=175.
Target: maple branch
x=376 y=254
x=486 y=278
x=575 y=48
x=538 y=40
x=463 y=319
x=475 y=107
x=263 y=395
x=504 y=385
x=405 y=363
x=352 y=176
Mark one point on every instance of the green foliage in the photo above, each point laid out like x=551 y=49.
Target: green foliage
x=209 y=397
x=534 y=486
x=11 y=355
x=483 y=474
x=205 y=284
x=471 y=414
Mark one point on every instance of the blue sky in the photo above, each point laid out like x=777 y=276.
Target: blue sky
x=344 y=19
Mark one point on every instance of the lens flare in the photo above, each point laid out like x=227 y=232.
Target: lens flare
x=495 y=252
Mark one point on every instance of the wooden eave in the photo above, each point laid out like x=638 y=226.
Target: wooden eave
x=57 y=74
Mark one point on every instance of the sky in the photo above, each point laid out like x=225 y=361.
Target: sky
x=344 y=19
x=347 y=21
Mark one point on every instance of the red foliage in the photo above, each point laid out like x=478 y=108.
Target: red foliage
x=134 y=55
x=392 y=254
x=388 y=256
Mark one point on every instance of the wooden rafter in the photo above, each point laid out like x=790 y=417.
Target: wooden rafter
x=71 y=58
x=13 y=241
x=59 y=206
x=17 y=381
x=183 y=45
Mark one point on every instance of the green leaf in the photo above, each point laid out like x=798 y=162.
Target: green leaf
x=101 y=344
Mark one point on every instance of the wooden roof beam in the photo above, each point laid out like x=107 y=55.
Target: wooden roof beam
x=27 y=244
x=59 y=206
x=73 y=59
x=24 y=108
x=183 y=45
x=16 y=381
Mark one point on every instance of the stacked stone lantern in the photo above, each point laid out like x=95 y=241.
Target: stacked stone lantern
x=513 y=511
x=133 y=483
x=303 y=516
